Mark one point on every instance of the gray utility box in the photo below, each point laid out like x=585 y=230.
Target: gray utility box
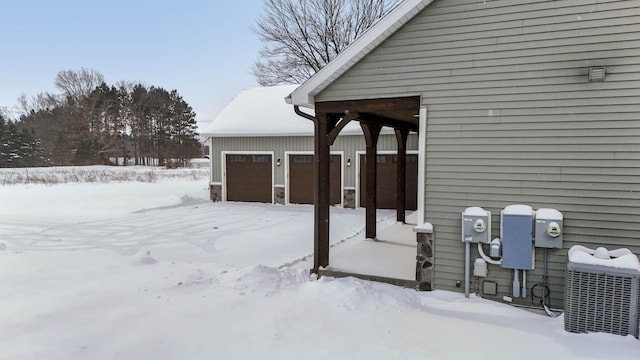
x=516 y=231
x=476 y=225
x=549 y=223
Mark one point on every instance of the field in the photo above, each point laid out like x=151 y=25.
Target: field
x=137 y=263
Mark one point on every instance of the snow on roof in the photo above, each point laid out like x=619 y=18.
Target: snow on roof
x=619 y=258
x=263 y=111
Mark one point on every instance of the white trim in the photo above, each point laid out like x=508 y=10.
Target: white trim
x=216 y=183
x=381 y=152
x=286 y=173
x=357 y=170
x=345 y=132
x=210 y=140
x=385 y=27
x=224 y=154
x=422 y=148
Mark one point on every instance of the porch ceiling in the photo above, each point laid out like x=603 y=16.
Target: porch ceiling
x=392 y=112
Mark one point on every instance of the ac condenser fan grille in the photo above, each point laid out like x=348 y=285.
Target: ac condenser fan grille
x=597 y=302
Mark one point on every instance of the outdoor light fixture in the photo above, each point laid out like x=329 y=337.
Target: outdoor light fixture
x=597 y=73
x=278 y=162
x=349 y=162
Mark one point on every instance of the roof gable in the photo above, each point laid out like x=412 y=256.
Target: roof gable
x=400 y=15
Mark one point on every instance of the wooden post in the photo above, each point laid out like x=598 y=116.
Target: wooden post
x=326 y=130
x=401 y=166
x=321 y=193
x=371 y=132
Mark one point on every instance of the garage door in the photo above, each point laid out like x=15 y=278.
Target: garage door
x=301 y=179
x=249 y=178
x=386 y=181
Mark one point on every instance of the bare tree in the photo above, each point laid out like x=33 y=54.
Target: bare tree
x=302 y=36
x=41 y=101
x=77 y=84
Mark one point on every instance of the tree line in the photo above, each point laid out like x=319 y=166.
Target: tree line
x=90 y=122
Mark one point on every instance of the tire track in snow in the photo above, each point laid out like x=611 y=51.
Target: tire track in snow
x=150 y=227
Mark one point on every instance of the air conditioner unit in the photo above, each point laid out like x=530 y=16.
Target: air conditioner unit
x=602 y=291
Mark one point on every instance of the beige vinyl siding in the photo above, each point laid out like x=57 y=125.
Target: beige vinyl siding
x=348 y=144
x=512 y=118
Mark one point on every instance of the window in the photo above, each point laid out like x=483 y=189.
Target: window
x=261 y=158
x=237 y=158
x=410 y=159
x=300 y=159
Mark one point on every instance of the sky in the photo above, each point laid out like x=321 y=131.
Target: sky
x=201 y=48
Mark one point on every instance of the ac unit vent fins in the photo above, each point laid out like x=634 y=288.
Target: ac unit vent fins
x=599 y=298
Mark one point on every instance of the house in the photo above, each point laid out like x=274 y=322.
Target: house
x=515 y=102
x=261 y=151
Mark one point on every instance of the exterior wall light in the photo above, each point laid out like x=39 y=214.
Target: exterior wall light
x=348 y=162
x=597 y=73
x=278 y=162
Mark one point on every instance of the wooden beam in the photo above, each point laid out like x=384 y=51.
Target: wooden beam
x=398 y=108
x=389 y=122
x=385 y=105
x=401 y=166
x=333 y=134
x=371 y=133
x=321 y=193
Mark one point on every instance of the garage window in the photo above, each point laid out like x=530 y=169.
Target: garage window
x=237 y=158
x=302 y=159
x=261 y=158
x=410 y=159
x=381 y=159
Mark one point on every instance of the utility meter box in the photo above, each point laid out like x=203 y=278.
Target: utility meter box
x=516 y=232
x=476 y=225
x=548 y=231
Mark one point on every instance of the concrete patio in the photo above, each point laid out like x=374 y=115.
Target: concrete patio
x=391 y=257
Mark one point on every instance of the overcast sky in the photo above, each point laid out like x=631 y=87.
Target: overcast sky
x=202 y=48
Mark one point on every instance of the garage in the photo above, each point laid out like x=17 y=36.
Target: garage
x=386 y=181
x=249 y=177
x=301 y=179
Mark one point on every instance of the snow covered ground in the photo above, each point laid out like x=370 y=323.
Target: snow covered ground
x=153 y=270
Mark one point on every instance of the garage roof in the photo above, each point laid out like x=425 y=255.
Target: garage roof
x=262 y=111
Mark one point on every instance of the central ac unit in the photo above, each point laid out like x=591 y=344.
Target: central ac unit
x=602 y=291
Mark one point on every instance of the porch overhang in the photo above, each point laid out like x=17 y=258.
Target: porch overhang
x=399 y=113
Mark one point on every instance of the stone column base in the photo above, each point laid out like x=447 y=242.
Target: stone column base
x=424 y=256
x=215 y=192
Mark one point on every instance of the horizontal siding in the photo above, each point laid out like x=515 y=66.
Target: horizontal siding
x=349 y=144
x=512 y=118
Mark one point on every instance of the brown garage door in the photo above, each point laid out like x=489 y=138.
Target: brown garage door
x=249 y=178
x=301 y=179
x=386 y=181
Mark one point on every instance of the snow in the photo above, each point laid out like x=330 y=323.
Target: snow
x=618 y=258
x=518 y=210
x=263 y=112
x=424 y=228
x=132 y=270
x=548 y=214
x=475 y=211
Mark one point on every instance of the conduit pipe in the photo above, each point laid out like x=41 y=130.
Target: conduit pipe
x=467 y=261
x=486 y=258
